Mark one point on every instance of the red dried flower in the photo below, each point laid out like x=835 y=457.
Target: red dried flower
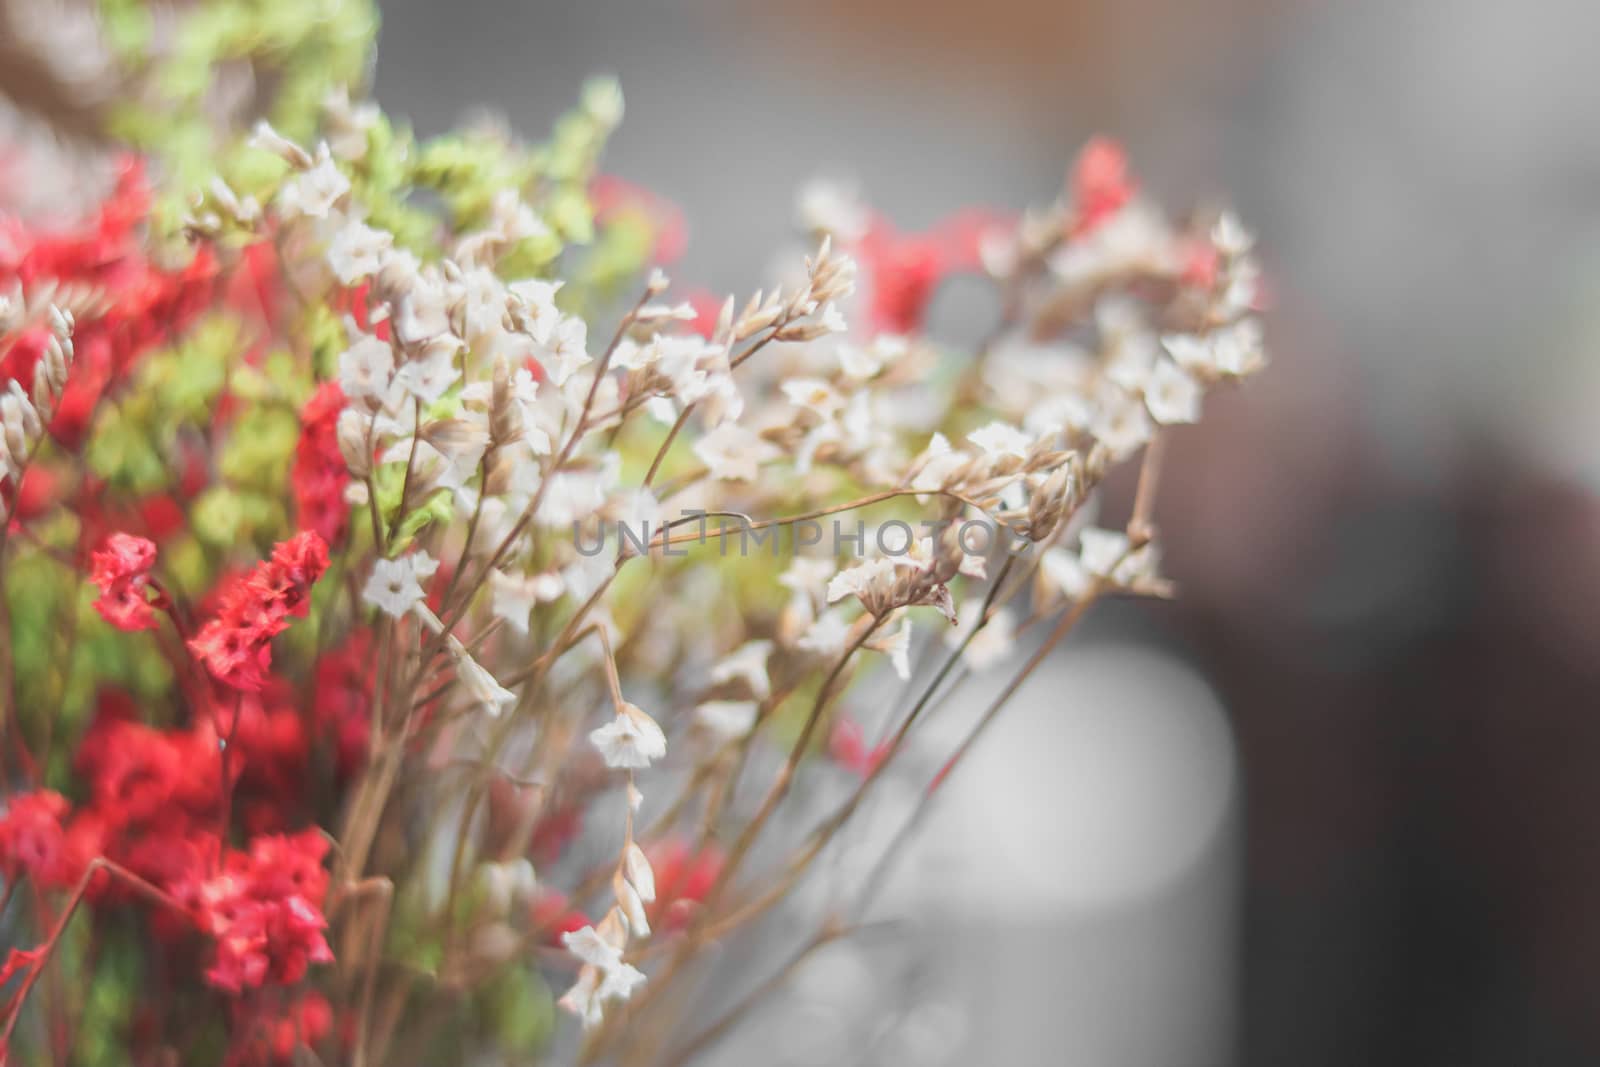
x=235 y=646
x=305 y=1024
x=551 y=915
x=904 y=271
x=343 y=704
x=319 y=475
x=263 y=908
x=1100 y=183
x=122 y=569
x=683 y=878
x=847 y=744
x=138 y=306
x=31 y=837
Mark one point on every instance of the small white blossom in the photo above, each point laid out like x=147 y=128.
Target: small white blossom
x=937 y=465
x=365 y=369
x=1108 y=554
x=826 y=635
x=637 y=867
x=1121 y=422
x=808 y=576
x=864 y=362
x=481 y=686
x=727 y=718
x=395 y=585
x=815 y=395
x=430 y=375
x=734 y=453
x=422 y=311
x=1063 y=571
x=1239 y=348
x=749 y=662
x=567 y=348
x=1171 y=395
x=832 y=319
x=1102 y=551
x=866 y=579
x=534 y=307
x=357 y=251
x=1230 y=236
x=514 y=597
x=631 y=741
x=604 y=976
x=833 y=207
x=998 y=441
x=312 y=193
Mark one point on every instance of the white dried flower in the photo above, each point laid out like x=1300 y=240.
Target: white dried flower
x=814 y=395
x=748 y=662
x=728 y=719
x=357 y=251
x=833 y=207
x=431 y=374
x=870 y=581
x=864 y=362
x=422 y=310
x=1230 y=236
x=514 y=596
x=268 y=139
x=631 y=741
x=1171 y=395
x=604 y=976
x=734 y=453
x=481 y=686
x=637 y=867
x=566 y=349
x=998 y=441
x=826 y=635
x=366 y=369
x=312 y=193
x=1064 y=572
x=395 y=586
x=533 y=308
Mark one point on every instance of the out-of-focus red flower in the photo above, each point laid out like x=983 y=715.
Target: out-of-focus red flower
x=1200 y=265
x=707 y=308
x=847 y=744
x=34 y=841
x=263 y=909
x=554 y=832
x=162 y=516
x=235 y=645
x=31 y=836
x=121 y=568
x=614 y=198
x=319 y=475
x=343 y=704
x=305 y=1023
x=552 y=914
x=271 y=752
x=1100 y=184
x=683 y=878
x=903 y=271
x=139 y=304
x=39 y=493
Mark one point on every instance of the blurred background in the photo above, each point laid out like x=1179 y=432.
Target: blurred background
x=1341 y=802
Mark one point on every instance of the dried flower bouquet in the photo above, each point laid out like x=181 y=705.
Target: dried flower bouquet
x=416 y=612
